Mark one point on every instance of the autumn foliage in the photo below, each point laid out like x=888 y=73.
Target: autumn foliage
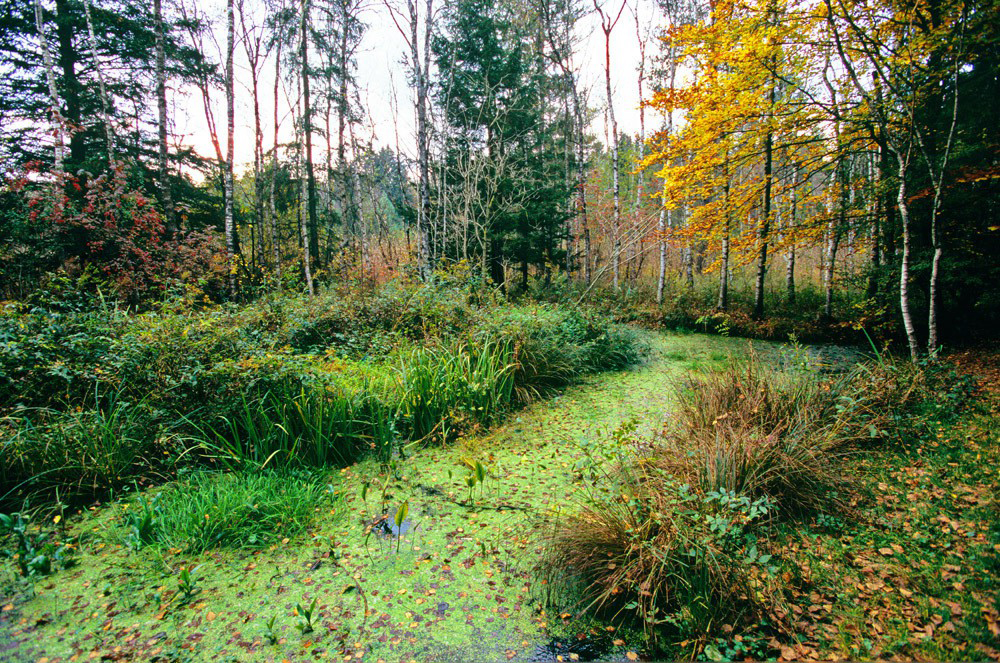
x=105 y=224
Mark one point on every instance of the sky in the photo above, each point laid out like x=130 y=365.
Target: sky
x=385 y=95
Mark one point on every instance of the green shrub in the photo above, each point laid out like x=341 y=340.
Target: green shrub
x=238 y=510
x=554 y=345
x=47 y=357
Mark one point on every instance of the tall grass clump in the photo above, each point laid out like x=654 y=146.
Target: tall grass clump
x=301 y=426
x=450 y=387
x=212 y=510
x=756 y=431
x=664 y=556
x=84 y=452
x=676 y=535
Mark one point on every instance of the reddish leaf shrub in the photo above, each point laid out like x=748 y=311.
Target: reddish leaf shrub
x=72 y=222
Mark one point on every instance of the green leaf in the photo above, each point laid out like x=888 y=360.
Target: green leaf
x=401 y=513
x=713 y=654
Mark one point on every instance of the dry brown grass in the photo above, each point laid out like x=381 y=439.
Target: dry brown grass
x=682 y=543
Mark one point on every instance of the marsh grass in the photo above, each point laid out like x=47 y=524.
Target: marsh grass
x=296 y=426
x=446 y=388
x=756 y=431
x=665 y=557
x=676 y=536
x=84 y=452
x=208 y=510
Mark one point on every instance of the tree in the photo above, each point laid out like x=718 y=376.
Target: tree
x=747 y=108
x=503 y=158
x=607 y=26
x=557 y=21
x=420 y=62
x=913 y=54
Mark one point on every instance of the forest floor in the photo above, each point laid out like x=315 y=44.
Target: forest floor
x=914 y=574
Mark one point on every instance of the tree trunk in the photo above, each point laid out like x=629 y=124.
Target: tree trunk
x=55 y=102
x=166 y=200
x=790 y=254
x=607 y=25
x=310 y=231
x=230 y=124
x=832 y=244
x=581 y=184
x=790 y=276
x=275 y=239
x=615 y=186
x=109 y=135
x=724 y=270
x=904 y=263
x=252 y=47
x=346 y=181
x=68 y=58
x=875 y=255
x=661 y=227
x=764 y=230
x=688 y=260
x=420 y=64
x=312 y=222
x=640 y=173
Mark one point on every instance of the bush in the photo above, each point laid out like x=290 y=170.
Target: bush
x=51 y=356
x=238 y=510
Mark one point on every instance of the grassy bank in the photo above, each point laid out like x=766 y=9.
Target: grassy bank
x=97 y=398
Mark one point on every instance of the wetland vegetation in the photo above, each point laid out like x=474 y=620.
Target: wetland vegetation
x=425 y=474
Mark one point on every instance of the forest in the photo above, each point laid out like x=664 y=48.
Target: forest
x=532 y=330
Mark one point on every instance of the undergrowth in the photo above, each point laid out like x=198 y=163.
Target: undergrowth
x=92 y=398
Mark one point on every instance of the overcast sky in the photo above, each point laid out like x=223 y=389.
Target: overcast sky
x=380 y=73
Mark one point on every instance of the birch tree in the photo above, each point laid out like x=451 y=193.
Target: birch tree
x=607 y=26
x=408 y=24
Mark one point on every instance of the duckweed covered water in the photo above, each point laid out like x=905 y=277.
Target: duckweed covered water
x=455 y=583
